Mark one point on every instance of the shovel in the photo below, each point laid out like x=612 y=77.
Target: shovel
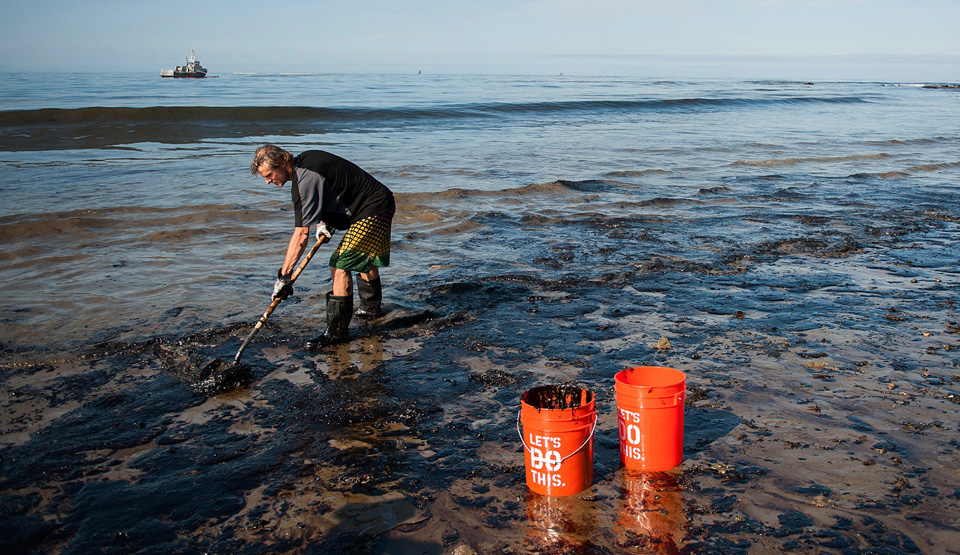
x=219 y=366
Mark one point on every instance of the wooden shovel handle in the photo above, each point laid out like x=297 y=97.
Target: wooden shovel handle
x=293 y=277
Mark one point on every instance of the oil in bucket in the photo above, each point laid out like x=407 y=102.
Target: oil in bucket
x=650 y=417
x=558 y=424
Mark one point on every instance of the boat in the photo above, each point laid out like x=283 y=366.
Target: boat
x=192 y=69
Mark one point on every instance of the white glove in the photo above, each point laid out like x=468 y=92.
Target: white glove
x=282 y=288
x=324 y=231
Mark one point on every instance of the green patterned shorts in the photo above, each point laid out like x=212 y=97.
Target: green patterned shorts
x=365 y=244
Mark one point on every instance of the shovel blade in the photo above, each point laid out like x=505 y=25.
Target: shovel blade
x=213 y=376
x=218 y=376
x=215 y=366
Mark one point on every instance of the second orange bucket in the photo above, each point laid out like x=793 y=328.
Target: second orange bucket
x=558 y=425
x=650 y=417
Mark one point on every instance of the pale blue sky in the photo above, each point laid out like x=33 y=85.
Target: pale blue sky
x=895 y=40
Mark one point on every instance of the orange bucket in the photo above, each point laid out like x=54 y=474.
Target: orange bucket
x=558 y=425
x=650 y=417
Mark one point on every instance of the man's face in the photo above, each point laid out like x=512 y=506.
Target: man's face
x=275 y=176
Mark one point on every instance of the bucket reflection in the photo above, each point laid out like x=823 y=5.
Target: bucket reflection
x=559 y=524
x=650 y=516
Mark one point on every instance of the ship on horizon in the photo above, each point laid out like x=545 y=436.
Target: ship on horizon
x=192 y=69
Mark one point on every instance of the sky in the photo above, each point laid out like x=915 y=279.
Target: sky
x=888 y=40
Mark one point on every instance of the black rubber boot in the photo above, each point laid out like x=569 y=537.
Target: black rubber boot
x=339 y=311
x=370 y=294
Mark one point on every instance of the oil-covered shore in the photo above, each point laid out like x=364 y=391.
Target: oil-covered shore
x=821 y=411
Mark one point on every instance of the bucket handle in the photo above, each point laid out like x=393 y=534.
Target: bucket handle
x=596 y=418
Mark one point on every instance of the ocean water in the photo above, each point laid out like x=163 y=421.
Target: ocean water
x=785 y=237
x=143 y=182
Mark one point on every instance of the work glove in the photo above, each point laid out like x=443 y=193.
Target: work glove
x=283 y=287
x=324 y=232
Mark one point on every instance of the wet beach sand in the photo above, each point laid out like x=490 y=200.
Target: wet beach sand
x=818 y=334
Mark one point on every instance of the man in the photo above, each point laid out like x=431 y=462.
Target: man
x=330 y=192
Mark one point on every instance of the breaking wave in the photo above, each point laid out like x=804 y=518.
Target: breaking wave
x=91 y=127
x=819 y=159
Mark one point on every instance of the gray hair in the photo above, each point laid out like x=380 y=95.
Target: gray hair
x=274 y=156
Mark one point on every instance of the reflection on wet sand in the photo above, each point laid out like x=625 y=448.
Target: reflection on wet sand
x=559 y=524
x=651 y=516
x=351 y=359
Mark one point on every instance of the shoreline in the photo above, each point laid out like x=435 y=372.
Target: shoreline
x=792 y=438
